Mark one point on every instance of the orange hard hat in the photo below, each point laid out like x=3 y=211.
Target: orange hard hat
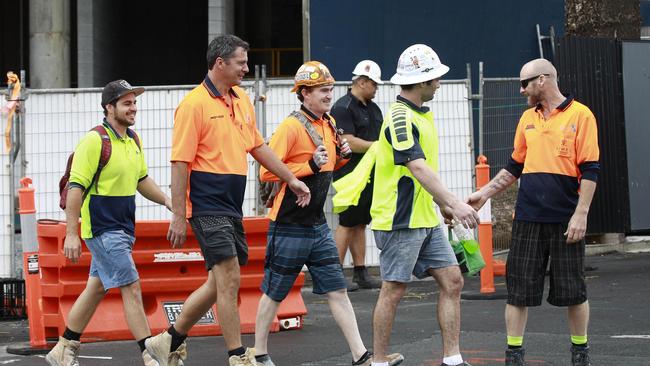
x=312 y=73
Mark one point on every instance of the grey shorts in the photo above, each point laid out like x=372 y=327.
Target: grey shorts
x=220 y=238
x=412 y=251
x=112 y=261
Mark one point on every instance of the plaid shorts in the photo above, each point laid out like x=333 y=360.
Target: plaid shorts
x=532 y=246
x=290 y=247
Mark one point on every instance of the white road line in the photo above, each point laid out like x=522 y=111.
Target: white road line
x=632 y=336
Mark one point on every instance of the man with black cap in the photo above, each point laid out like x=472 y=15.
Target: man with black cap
x=105 y=199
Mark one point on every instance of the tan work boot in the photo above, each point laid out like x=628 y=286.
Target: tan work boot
x=148 y=360
x=65 y=353
x=158 y=348
x=247 y=359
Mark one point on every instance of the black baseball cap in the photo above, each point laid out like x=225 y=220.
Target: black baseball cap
x=117 y=89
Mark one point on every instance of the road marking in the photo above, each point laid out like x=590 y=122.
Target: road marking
x=632 y=336
x=9 y=361
x=89 y=357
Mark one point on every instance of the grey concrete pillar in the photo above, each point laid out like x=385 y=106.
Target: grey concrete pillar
x=85 y=44
x=49 y=43
x=221 y=18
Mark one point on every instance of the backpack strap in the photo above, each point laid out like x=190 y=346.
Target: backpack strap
x=135 y=137
x=311 y=131
x=104 y=156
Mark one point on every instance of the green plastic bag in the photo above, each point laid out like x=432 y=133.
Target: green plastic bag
x=468 y=255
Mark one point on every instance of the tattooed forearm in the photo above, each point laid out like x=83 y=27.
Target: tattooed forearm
x=500 y=182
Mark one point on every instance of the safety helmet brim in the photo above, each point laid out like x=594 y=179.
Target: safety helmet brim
x=435 y=73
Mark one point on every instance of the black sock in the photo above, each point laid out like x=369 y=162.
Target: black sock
x=579 y=345
x=359 y=268
x=513 y=347
x=70 y=335
x=263 y=357
x=177 y=338
x=141 y=344
x=237 y=352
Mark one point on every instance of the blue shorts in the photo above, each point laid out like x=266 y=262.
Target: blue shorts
x=111 y=259
x=290 y=247
x=413 y=251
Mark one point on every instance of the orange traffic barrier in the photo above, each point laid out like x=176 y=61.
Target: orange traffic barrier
x=167 y=277
x=485 y=229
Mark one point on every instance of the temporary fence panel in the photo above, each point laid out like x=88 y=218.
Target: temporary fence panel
x=502 y=107
x=57 y=119
x=5 y=214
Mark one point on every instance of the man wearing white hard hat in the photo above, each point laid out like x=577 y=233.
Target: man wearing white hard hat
x=406 y=227
x=360 y=119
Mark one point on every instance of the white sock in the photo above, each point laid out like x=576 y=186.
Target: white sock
x=453 y=360
x=379 y=364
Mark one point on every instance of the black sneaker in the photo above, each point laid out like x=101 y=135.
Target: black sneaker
x=515 y=357
x=460 y=364
x=580 y=356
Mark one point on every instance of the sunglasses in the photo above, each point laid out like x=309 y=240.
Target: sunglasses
x=524 y=83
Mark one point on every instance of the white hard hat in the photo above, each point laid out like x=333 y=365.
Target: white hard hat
x=417 y=64
x=368 y=68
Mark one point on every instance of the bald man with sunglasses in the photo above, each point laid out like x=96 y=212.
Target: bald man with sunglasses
x=556 y=159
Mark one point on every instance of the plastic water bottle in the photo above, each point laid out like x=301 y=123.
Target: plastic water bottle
x=465 y=237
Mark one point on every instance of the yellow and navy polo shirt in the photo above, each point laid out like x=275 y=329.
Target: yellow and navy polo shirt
x=550 y=157
x=214 y=138
x=110 y=204
x=398 y=200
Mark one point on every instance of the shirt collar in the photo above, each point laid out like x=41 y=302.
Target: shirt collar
x=423 y=109
x=108 y=125
x=213 y=89
x=355 y=99
x=562 y=107
x=311 y=115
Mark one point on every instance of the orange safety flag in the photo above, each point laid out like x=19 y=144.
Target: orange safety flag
x=10 y=108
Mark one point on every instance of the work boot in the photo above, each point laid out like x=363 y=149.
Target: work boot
x=580 y=356
x=352 y=286
x=364 y=279
x=159 y=347
x=515 y=357
x=247 y=359
x=148 y=360
x=395 y=359
x=64 y=353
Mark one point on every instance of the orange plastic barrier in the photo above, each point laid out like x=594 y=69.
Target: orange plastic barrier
x=31 y=274
x=167 y=277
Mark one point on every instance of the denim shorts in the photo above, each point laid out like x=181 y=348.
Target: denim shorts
x=112 y=261
x=290 y=247
x=413 y=251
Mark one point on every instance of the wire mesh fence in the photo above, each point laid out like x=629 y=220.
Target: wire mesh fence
x=57 y=119
x=12 y=299
x=502 y=107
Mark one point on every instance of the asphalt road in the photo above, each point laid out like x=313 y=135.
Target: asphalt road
x=619 y=334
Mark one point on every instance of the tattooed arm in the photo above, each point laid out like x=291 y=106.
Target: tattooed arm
x=503 y=179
